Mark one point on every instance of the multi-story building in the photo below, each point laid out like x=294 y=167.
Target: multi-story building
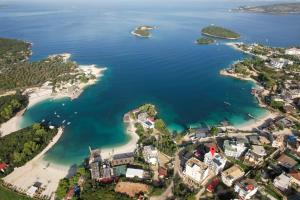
x=215 y=162
x=246 y=188
x=122 y=159
x=232 y=174
x=282 y=182
x=196 y=170
x=256 y=154
x=234 y=148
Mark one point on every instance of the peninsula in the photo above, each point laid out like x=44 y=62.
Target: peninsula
x=142 y=31
x=282 y=8
x=24 y=83
x=219 y=32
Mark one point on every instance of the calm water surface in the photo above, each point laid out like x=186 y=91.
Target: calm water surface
x=168 y=69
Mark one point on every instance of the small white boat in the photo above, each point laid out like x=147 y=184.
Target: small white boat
x=75 y=113
x=251 y=116
x=58 y=116
x=63 y=121
x=63 y=104
x=43 y=120
x=54 y=113
x=68 y=123
x=227 y=103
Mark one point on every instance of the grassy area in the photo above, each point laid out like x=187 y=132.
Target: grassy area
x=220 y=32
x=272 y=192
x=205 y=41
x=6 y=194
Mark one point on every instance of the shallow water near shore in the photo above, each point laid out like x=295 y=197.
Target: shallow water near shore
x=182 y=79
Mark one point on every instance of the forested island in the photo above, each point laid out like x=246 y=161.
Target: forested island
x=282 y=8
x=205 y=40
x=142 y=31
x=219 y=32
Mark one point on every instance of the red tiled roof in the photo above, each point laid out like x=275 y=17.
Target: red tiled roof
x=3 y=166
x=162 y=171
x=296 y=175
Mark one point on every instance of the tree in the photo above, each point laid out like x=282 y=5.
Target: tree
x=214 y=130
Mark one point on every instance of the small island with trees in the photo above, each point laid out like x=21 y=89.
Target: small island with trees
x=219 y=32
x=143 y=31
x=205 y=40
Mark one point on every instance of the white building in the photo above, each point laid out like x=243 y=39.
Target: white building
x=293 y=51
x=234 y=148
x=282 y=182
x=196 y=170
x=232 y=174
x=216 y=163
x=259 y=150
x=278 y=63
x=131 y=173
x=246 y=188
x=150 y=154
x=146 y=121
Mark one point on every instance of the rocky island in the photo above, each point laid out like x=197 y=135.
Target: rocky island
x=219 y=32
x=283 y=8
x=142 y=31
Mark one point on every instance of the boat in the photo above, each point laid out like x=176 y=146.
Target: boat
x=58 y=116
x=63 y=104
x=63 y=121
x=251 y=116
x=75 y=113
x=227 y=103
x=68 y=123
x=43 y=120
x=54 y=113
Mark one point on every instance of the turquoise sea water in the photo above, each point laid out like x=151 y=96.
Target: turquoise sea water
x=168 y=69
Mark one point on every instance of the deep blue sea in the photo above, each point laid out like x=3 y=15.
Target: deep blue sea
x=181 y=78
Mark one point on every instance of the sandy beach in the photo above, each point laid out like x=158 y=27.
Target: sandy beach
x=225 y=73
x=254 y=123
x=12 y=124
x=130 y=146
x=39 y=170
x=39 y=94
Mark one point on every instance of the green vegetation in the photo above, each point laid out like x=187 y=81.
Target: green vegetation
x=220 y=32
x=18 y=73
x=149 y=109
x=205 y=40
x=143 y=31
x=239 y=68
x=10 y=105
x=182 y=191
x=91 y=190
x=66 y=183
x=13 y=51
x=166 y=142
x=7 y=194
x=21 y=146
x=214 y=130
x=270 y=190
x=277 y=105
